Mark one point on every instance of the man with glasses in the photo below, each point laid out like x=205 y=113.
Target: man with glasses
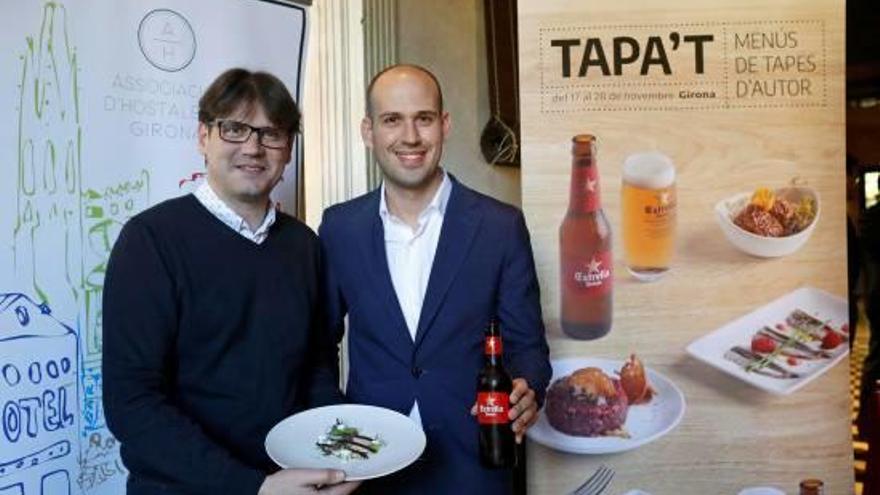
x=212 y=313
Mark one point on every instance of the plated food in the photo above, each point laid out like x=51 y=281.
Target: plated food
x=776 y=213
x=778 y=351
x=597 y=405
x=587 y=403
x=783 y=345
x=364 y=441
x=347 y=442
x=590 y=403
x=769 y=223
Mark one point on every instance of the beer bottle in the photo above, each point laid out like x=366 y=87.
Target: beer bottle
x=812 y=486
x=585 y=250
x=497 y=447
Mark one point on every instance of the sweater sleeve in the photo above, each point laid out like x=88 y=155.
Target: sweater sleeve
x=519 y=309
x=333 y=304
x=140 y=317
x=323 y=387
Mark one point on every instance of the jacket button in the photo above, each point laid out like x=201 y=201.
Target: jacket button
x=417 y=372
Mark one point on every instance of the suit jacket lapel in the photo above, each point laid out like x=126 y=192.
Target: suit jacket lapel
x=460 y=224
x=375 y=263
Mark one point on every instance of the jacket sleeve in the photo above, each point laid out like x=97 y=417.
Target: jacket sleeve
x=519 y=310
x=140 y=315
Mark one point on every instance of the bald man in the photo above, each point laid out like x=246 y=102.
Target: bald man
x=420 y=265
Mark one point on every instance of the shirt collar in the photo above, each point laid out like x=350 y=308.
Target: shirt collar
x=268 y=221
x=438 y=202
x=206 y=195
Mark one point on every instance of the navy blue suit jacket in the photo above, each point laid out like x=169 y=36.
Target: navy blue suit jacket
x=483 y=267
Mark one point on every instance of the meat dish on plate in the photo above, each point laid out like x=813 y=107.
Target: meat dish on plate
x=590 y=403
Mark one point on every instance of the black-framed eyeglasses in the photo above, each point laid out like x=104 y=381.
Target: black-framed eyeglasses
x=233 y=131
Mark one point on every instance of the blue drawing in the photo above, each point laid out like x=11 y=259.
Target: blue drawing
x=16 y=489
x=55 y=483
x=54 y=451
x=39 y=393
x=93 y=411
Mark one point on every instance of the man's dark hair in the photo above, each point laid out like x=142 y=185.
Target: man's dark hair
x=237 y=87
x=399 y=66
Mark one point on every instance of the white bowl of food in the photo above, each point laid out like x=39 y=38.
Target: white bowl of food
x=769 y=223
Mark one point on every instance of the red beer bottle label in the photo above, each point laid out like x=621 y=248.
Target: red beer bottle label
x=585 y=188
x=492 y=408
x=492 y=346
x=590 y=276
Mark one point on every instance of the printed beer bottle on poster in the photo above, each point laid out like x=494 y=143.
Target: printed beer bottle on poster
x=811 y=486
x=586 y=277
x=497 y=448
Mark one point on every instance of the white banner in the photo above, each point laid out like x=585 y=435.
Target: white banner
x=100 y=101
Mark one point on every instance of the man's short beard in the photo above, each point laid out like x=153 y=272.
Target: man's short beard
x=402 y=183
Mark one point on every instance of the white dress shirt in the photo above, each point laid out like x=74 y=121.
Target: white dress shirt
x=224 y=213
x=410 y=253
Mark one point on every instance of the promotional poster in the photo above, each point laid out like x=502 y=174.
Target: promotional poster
x=683 y=181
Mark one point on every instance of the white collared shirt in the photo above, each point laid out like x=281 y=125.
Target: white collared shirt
x=225 y=214
x=410 y=253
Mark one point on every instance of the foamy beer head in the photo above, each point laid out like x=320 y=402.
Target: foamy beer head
x=649 y=170
x=648 y=204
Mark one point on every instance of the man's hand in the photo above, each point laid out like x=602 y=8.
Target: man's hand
x=523 y=408
x=307 y=481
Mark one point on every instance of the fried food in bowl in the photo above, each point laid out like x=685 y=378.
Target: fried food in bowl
x=769 y=223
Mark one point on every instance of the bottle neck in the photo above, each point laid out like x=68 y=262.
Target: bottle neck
x=492 y=349
x=812 y=486
x=584 y=194
x=493 y=360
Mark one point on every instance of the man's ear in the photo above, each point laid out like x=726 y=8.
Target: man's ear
x=447 y=124
x=204 y=130
x=367 y=132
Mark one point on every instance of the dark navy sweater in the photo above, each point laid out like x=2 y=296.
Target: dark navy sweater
x=209 y=340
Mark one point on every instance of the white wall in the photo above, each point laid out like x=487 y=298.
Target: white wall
x=448 y=38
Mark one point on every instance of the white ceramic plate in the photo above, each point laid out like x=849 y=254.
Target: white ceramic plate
x=645 y=422
x=826 y=307
x=291 y=443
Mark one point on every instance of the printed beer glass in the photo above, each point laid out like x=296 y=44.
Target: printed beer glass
x=648 y=205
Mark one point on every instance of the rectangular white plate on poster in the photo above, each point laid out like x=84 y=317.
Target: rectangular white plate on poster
x=794 y=346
